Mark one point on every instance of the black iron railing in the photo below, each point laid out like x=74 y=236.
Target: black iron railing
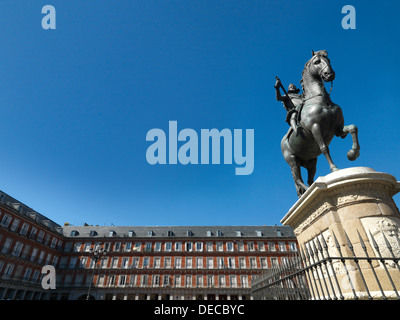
x=315 y=273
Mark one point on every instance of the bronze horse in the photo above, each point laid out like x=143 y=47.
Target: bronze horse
x=320 y=120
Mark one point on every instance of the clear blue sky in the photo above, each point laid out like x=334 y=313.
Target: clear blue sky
x=77 y=102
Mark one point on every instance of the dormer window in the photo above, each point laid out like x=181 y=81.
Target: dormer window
x=93 y=233
x=170 y=233
x=131 y=233
x=259 y=233
x=238 y=233
x=74 y=233
x=209 y=233
x=189 y=233
x=112 y=233
x=219 y=233
x=150 y=233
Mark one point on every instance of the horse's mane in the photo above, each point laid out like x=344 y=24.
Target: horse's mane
x=320 y=53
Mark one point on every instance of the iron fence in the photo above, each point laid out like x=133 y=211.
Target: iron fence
x=318 y=272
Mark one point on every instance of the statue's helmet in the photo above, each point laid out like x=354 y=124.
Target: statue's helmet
x=292 y=89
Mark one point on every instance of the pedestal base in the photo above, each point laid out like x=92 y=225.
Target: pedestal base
x=353 y=210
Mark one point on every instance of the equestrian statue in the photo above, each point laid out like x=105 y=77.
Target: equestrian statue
x=314 y=120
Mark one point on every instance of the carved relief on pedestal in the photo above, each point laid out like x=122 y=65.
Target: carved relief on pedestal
x=380 y=228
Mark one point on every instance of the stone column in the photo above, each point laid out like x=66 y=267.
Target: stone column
x=353 y=210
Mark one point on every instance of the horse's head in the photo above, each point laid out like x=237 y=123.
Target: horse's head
x=319 y=66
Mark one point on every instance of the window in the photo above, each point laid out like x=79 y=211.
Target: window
x=199 y=246
x=250 y=246
x=177 y=281
x=178 y=246
x=220 y=246
x=167 y=262
x=229 y=246
x=274 y=262
x=156 y=280
x=292 y=246
x=261 y=246
x=33 y=233
x=24 y=228
x=17 y=249
x=111 y=280
x=150 y=233
x=209 y=246
x=168 y=246
x=157 y=263
x=166 y=280
x=233 y=281
x=199 y=263
x=178 y=263
x=135 y=262
x=219 y=233
x=125 y=263
x=242 y=263
x=53 y=242
x=210 y=281
x=87 y=246
x=15 y=225
x=133 y=280
x=210 y=263
x=189 y=233
x=128 y=246
x=189 y=263
x=8 y=270
x=231 y=263
x=131 y=233
x=264 y=264
x=238 y=233
x=34 y=253
x=259 y=233
x=144 y=280
x=244 y=281
x=7 y=245
x=282 y=246
x=117 y=246
x=157 y=246
x=111 y=233
x=72 y=261
x=148 y=247
x=92 y=233
x=146 y=261
x=253 y=263
x=209 y=233
x=279 y=233
x=27 y=274
x=199 y=281
x=170 y=234
x=137 y=247
x=220 y=262
x=77 y=247
x=74 y=233
x=188 y=281
x=240 y=245
x=6 y=220
x=221 y=281
x=271 y=246
x=189 y=247
x=40 y=236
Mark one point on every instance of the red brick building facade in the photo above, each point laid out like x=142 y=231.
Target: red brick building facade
x=138 y=263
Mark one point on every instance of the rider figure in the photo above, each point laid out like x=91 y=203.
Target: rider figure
x=292 y=102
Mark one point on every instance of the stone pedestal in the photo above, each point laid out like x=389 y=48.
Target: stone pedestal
x=353 y=210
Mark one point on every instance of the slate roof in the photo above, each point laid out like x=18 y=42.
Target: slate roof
x=180 y=231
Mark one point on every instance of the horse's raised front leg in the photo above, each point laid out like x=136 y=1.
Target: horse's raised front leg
x=354 y=152
x=316 y=131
